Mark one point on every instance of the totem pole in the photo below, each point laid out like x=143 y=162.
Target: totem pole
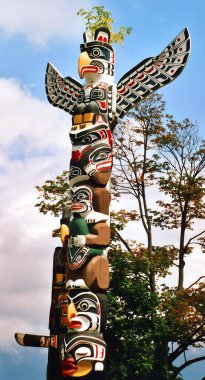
x=78 y=310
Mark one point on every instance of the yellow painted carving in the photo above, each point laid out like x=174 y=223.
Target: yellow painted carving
x=88 y=117
x=78 y=119
x=83 y=368
x=59 y=277
x=64 y=232
x=72 y=312
x=83 y=60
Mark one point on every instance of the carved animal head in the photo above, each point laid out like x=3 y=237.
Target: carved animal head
x=97 y=56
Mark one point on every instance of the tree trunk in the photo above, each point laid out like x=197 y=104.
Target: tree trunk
x=161 y=367
x=152 y=282
x=182 y=249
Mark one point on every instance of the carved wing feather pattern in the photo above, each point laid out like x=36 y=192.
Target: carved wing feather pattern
x=152 y=73
x=61 y=92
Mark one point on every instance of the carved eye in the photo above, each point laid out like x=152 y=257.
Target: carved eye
x=86 y=139
x=81 y=196
x=82 y=352
x=96 y=52
x=89 y=138
x=86 y=305
x=101 y=156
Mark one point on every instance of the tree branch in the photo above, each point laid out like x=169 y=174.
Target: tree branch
x=189 y=241
x=196 y=282
x=186 y=364
x=116 y=233
x=183 y=346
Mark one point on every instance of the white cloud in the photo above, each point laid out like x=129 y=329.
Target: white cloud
x=34 y=146
x=195 y=262
x=29 y=126
x=41 y=20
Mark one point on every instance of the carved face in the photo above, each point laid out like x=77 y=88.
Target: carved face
x=87 y=311
x=84 y=312
x=91 y=136
x=97 y=159
x=97 y=57
x=82 y=199
x=94 y=160
x=81 y=311
x=82 y=353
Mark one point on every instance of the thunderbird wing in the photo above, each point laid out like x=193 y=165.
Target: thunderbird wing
x=61 y=92
x=152 y=73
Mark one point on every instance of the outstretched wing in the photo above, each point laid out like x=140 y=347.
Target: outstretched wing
x=61 y=92
x=152 y=73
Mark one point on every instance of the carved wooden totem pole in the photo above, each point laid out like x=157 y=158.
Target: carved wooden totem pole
x=78 y=310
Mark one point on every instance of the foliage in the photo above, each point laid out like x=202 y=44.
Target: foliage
x=153 y=151
x=135 y=322
x=156 y=151
x=99 y=17
x=142 y=323
x=185 y=310
x=54 y=195
x=129 y=330
x=181 y=173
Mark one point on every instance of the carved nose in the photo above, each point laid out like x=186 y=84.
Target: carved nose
x=72 y=312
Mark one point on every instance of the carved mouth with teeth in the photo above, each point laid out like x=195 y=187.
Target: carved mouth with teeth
x=104 y=166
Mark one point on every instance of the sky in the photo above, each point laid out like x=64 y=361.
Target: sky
x=34 y=142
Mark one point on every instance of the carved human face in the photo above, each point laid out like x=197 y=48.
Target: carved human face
x=91 y=155
x=82 y=353
x=82 y=198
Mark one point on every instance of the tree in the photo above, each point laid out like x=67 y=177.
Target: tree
x=183 y=181
x=54 y=195
x=135 y=169
x=158 y=151
x=99 y=17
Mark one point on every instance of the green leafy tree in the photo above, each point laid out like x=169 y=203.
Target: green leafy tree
x=54 y=195
x=99 y=17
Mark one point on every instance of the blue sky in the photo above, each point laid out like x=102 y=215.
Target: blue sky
x=34 y=143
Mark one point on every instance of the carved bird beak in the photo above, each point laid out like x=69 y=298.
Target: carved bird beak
x=72 y=312
x=84 y=60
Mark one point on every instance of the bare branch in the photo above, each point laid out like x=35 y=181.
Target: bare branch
x=186 y=364
x=194 y=283
x=194 y=237
x=116 y=233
